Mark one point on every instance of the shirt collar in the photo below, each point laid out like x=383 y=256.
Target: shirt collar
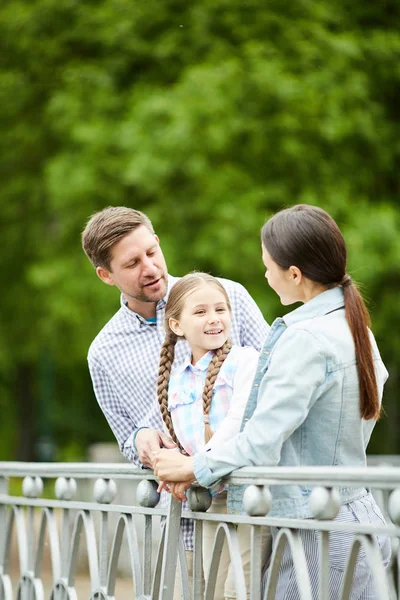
x=201 y=365
x=318 y=306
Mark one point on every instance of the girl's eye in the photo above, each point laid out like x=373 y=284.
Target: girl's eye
x=220 y=309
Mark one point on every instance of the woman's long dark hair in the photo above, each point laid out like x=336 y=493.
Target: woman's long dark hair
x=308 y=238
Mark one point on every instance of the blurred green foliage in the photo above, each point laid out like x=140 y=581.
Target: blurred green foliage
x=209 y=116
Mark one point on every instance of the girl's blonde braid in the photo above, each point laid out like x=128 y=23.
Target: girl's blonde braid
x=164 y=372
x=213 y=369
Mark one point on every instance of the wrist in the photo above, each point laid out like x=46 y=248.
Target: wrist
x=135 y=435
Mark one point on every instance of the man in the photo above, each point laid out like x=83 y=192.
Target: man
x=123 y=359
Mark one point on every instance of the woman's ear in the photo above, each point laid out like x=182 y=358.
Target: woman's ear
x=295 y=275
x=174 y=326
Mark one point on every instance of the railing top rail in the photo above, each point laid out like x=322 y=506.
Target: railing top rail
x=376 y=476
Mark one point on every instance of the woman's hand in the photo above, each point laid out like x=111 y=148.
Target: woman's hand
x=173 y=467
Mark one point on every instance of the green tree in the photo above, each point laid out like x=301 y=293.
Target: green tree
x=208 y=116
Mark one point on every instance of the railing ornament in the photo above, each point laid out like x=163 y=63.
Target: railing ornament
x=199 y=499
x=146 y=493
x=394 y=506
x=324 y=503
x=104 y=491
x=65 y=488
x=32 y=487
x=257 y=500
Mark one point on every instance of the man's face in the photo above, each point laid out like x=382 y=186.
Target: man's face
x=138 y=268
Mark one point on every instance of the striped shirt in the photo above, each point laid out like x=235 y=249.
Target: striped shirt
x=123 y=362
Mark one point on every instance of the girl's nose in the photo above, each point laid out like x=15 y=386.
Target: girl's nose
x=214 y=318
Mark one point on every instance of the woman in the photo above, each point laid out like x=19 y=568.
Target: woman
x=316 y=395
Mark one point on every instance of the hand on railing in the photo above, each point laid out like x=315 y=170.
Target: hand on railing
x=148 y=443
x=172 y=466
x=176 y=489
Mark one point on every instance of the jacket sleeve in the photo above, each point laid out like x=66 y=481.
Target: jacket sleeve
x=288 y=390
x=242 y=383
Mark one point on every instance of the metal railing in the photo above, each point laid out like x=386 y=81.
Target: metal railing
x=64 y=519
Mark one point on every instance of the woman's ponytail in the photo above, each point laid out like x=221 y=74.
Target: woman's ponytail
x=359 y=321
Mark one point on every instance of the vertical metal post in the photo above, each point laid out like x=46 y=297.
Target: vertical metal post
x=147 y=548
x=256 y=562
x=198 y=591
x=324 y=566
x=172 y=532
x=103 y=553
x=31 y=549
x=3 y=515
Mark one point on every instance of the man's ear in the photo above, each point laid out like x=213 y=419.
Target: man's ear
x=295 y=274
x=105 y=275
x=174 y=326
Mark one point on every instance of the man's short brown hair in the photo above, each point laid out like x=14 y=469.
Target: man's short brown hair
x=106 y=228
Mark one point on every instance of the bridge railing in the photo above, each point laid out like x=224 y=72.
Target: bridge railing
x=59 y=522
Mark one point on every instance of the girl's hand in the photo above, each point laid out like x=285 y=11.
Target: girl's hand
x=172 y=467
x=164 y=485
x=178 y=489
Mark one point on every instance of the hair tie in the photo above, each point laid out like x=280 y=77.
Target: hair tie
x=206 y=419
x=346 y=281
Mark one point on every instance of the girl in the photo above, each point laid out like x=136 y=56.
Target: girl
x=202 y=401
x=316 y=395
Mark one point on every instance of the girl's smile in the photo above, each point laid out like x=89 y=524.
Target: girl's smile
x=205 y=320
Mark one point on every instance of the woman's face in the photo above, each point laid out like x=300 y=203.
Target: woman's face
x=282 y=281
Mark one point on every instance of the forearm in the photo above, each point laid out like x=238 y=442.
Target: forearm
x=240 y=451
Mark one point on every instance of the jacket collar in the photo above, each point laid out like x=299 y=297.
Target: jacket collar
x=320 y=305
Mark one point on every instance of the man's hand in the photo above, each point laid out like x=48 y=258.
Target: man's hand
x=148 y=443
x=172 y=467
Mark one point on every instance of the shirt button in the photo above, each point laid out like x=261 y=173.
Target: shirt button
x=256 y=385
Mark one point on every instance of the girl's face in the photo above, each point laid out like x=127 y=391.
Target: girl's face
x=285 y=282
x=205 y=320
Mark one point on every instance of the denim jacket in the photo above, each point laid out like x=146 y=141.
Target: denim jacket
x=303 y=409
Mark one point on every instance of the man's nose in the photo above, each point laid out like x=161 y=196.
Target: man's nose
x=149 y=268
